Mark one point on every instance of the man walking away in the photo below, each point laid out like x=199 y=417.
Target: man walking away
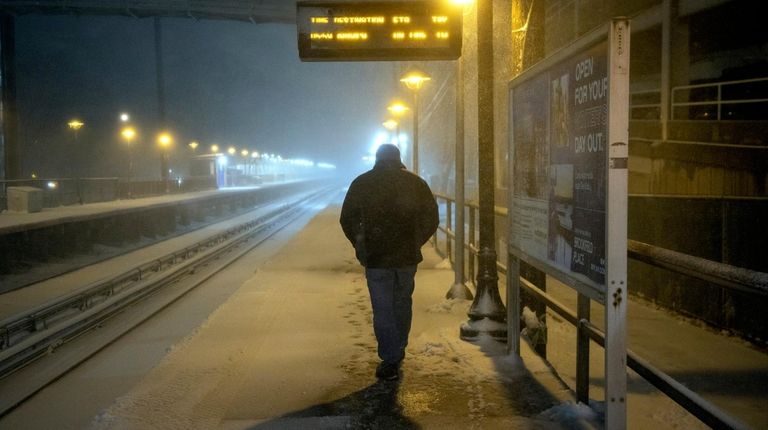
x=387 y=215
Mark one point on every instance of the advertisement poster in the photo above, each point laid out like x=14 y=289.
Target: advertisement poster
x=531 y=170
x=559 y=182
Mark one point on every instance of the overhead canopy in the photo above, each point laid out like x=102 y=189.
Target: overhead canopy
x=256 y=11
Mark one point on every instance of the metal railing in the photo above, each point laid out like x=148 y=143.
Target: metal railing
x=725 y=276
x=70 y=191
x=713 y=99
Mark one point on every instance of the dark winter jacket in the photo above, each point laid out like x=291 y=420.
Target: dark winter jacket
x=388 y=214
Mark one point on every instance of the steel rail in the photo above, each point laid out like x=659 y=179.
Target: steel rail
x=705 y=411
x=727 y=277
x=34 y=333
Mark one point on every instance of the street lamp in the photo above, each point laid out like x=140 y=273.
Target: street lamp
x=487 y=306
x=390 y=125
x=397 y=109
x=215 y=148
x=414 y=80
x=75 y=125
x=124 y=117
x=128 y=134
x=164 y=140
x=231 y=150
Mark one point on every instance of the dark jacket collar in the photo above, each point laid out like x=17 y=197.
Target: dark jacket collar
x=389 y=164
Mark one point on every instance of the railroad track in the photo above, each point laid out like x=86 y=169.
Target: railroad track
x=27 y=338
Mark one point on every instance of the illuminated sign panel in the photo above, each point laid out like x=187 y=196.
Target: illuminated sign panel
x=378 y=31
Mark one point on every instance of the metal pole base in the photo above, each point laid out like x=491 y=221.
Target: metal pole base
x=473 y=329
x=459 y=291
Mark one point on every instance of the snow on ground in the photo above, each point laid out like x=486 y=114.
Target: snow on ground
x=293 y=348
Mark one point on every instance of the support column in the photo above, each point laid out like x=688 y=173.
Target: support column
x=459 y=290
x=487 y=314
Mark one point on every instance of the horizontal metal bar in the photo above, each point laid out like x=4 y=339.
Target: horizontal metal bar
x=689 y=400
x=724 y=275
x=715 y=84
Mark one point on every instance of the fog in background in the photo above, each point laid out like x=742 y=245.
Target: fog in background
x=225 y=82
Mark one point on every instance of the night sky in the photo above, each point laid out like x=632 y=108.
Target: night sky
x=226 y=82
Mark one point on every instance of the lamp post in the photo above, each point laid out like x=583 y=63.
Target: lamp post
x=128 y=134
x=390 y=125
x=164 y=140
x=414 y=80
x=459 y=289
x=245 y=153
x=487 y=313
x=397 y=109
x=75 y=125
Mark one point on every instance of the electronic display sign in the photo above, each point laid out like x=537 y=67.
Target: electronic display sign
x=378 y=31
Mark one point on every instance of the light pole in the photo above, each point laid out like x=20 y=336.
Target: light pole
x=487 y=313
x=245 y=153
x=397 y=109
x=391 y=125
x=75 y=125
x=414 y=80
x=128 y=134
x=164 y=140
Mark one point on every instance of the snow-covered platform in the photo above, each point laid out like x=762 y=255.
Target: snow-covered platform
x=293 y=348
x=36 y=246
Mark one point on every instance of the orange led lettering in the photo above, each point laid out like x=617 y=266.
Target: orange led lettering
x=359 y=20
x=352 y=36
x=417 y=35
x=398 y=35
x=441 y=19
x=401 y=19
x=442 y=35
x=320 y=20
x=321 y=36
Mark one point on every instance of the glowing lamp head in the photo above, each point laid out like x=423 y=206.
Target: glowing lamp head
x=75 y=124
x=397 y=108
x=124 y=117
x=193 y=145
x=390 y=124
x=214 y=148
x=231 y=150
x=128 y=134
x=164 y=140
x=414 y=79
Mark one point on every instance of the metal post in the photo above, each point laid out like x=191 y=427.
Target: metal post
x=459 y=289
x=513 y=305
x=159 y=72
x=487 y=303
x=448 y=223
x=416 y=132
x=582 y=350
x=472 y=242
x=666 y=48
x=161 y=98
x=616 y=229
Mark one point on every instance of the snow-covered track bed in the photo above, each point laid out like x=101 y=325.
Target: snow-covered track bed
x=40 y=332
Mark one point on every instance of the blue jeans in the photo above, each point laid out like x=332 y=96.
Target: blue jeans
x=391 y=291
